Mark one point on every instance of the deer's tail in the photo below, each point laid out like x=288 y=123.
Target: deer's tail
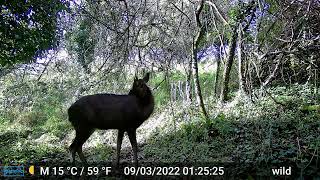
x=75 y=116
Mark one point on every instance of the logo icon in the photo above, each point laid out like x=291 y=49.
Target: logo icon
x=11 y=171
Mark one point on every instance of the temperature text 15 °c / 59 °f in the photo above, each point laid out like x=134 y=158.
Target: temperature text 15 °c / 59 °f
x=70 y=170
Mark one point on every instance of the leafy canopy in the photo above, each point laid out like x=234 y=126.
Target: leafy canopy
x=27 y=29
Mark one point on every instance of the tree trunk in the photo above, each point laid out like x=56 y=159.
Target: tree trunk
x=316 y=84
x=228 y=65
x=188 y=83
x=240 y=61
x=197 y=87
x=217 y=76
x=195 y=48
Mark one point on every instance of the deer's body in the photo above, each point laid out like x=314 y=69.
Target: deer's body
x=110 y=111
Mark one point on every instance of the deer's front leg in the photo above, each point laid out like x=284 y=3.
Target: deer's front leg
x=119 y=142
x=133 y=141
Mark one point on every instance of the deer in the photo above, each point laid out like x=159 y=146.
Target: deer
x=111 y=111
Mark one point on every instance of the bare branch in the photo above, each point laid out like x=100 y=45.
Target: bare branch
x=217 y=12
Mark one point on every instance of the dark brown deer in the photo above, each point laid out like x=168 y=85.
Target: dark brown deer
x=110 y=111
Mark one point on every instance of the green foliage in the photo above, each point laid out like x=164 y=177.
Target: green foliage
x=17 y=148
x=33 y=124
x=270 y=30
x=28 y=28
x=82 y=43
x=207 y=83
x=234 y=14
x=273 y=6
x=31 y=120
x=33 y=117
x=161 y=94
x=101 y=152
x=257 y=135
x=189 y=144
x=177 y=76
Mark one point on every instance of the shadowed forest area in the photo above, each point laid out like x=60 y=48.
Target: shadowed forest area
x=235 y=83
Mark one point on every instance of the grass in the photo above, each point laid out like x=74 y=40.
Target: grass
x=252 y=134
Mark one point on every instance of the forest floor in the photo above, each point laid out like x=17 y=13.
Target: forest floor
x=248 y=136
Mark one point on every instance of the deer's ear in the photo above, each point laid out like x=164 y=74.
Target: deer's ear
x=146 y=77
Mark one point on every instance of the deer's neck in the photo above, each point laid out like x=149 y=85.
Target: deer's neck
x=148 y=108
x=146 y=103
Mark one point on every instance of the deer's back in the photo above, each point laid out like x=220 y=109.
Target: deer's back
x=107 y=111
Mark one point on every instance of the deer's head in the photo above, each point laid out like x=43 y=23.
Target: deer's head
x=140 y=88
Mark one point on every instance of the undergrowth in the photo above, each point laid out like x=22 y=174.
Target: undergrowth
x=254 y=137
x=251 y=135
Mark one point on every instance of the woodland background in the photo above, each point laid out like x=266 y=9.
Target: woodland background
x=234 y=81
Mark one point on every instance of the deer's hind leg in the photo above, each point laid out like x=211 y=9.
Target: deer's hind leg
x=82 y=134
